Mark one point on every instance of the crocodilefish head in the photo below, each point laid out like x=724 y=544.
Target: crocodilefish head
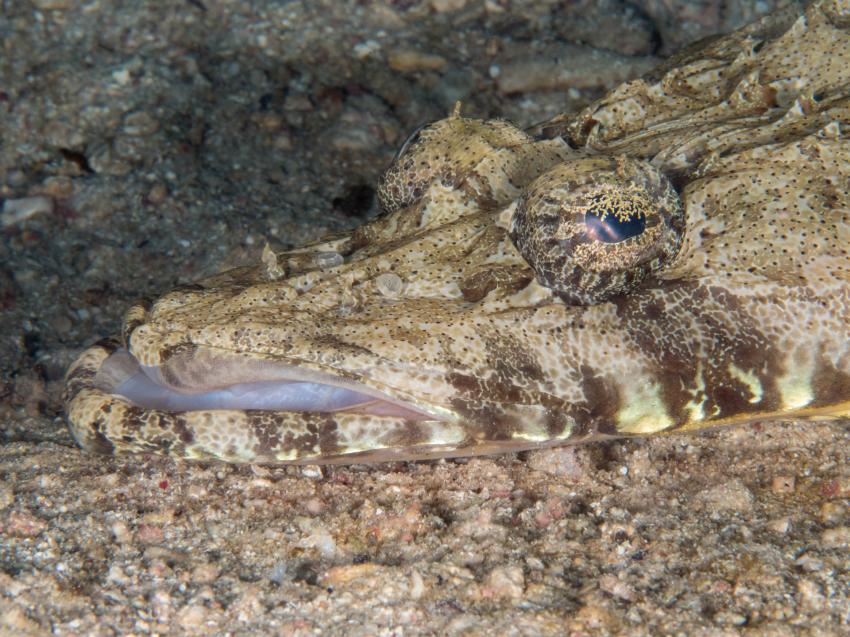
x=515 y=293
x=518 y=291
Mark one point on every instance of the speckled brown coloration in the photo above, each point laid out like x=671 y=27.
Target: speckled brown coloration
x=432 y=304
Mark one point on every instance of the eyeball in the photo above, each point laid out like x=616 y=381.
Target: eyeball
x=595 y=228
x=489 y=160
x=447 y=151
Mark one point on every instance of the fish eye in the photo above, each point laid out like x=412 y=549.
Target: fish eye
x=490 y=159
x=594 y=228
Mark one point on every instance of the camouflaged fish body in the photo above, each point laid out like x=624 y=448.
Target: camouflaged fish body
x=673 y=257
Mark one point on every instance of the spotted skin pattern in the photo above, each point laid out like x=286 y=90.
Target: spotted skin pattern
x=433 y=304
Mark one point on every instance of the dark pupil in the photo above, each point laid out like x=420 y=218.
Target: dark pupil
x=611 y=228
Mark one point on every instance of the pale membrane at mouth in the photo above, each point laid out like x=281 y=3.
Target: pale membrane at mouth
x=210 y=380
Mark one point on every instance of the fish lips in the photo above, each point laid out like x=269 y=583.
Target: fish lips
x=211 y=380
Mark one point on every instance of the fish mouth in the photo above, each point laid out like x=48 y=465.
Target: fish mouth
x=207 y=380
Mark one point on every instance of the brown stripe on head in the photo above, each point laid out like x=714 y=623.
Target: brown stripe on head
x=470 y=389
x=266 y=429
x=831 y=385
x=494 y=388
x=484 y=404
x=488 y=421
x=304 y=434
x=409 y=433
x=326 y=429
x=511 y=367
x=508 y=279
x=503 y=414
x=133 y=318
x=79 y=379
x=602 y=402
x=96 y=441
x=557 y=421
x=175 y=358
x=134 y=419
x=82 y=373
x=136 y=429
x=687 y=329
x=340 y=347
x=108 y=345
x=182 y=430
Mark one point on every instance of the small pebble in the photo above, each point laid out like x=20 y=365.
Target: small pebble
x=729 y=496
x=298 y=102
x=407 y=60
x=314 y=506
x=162 y=604
x=534 y=563
x=612 y=585
x=782 y=485
x=832 y=512
x=121 y=532
x=493 y=6
x=809 y=564
x=837 y=538
x=116 y=575
x=17 y=210
x=349 y=573
x=59 y=187
x=354 y=138
x=444 y=6
x=268 y=122
x=103 y=159
x=730 y=618
x=157 y=194
x=15 y=621
x=594 y=618
x=311 y=471
x=571 y=462
x=364 y=49
x=61 y=324
x=780 y=525
x=192 y=617
x=810 y=595
x=205 y=573
x=836 y=488
x=278 y=572
x=21 y=524
x=140 y=124
x=283 y=140
x=417 y=585
x=505 y=582
x=150 y=534
x=7 y=496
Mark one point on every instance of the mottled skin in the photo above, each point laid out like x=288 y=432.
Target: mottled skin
x=747 y=320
